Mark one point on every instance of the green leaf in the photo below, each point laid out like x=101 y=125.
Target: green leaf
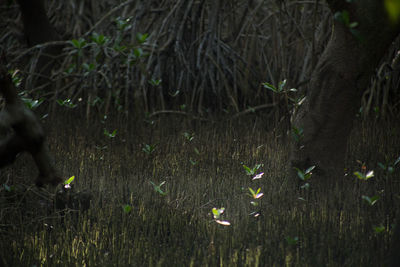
x=256 y=194
x=297 y=134
x=393 y=10
x=252 y=191
x=127 y=208
x=255 y=204
x=138 y=52
x=305 y=186
x=292 y=240
x=78 y=44
x=110 y=135
x=99 y=39
x=397 y=161
x=300 y=173
x=31 y=103
x=69 y=180
x=88 y=67
x=142 y=37
x=155 y=82
x=379 y=229
x=247 y=169
x=383 y=167
x=217 y=212
x=188 y=136
x=282 y=85
x=363 y=176
x=310 y=169
x=158 y=189
x=353 y=24
x=270 y=87
x=371 y=200
x=7 y=188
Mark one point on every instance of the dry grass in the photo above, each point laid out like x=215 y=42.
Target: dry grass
x=178 y=229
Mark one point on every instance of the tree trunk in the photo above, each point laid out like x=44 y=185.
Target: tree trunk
x=337 y=83
x=38 y=30
x=37 y=26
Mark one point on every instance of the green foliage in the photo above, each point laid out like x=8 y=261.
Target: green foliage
x=280 y=89
x=69 y=180
x=130 y=216
x=393 y=10
x=252 y=171
x=344 y=17
x=15 y=77
x=110 y=134
x=292 y=240
x=379 y=229
x=189 y=137
x=306 y=174
x=364 y=176
x=390 y=167
x=157 y=188
x=32 y=103
x=149 y=149
x=297 y=134
x=127 y=208
x=256 y=194
x=217 y=213
x=370 y=200
x=66 y=103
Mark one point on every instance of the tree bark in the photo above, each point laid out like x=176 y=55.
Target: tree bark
x=38 y=30
x=37 y=26
x=341 y=75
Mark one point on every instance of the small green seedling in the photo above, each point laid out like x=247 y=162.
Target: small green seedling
x=364 y=176
x=155 y=82
x=148 y=149
x=252 y=171
x=305 y=175
x=174 y=94
x=280 y=88
x=8 y=188
x=256 y=194
x=379 y=229
x=292 y=240
x=127 y=208
x=66 y=103
x=158 y=189
x=389 y=167
x=16 y=77
x=305 y=186
x=217 y=216
x=371 y=200
x=297 y=134
x=110 y=135
x=67 y=183
x=188 y=136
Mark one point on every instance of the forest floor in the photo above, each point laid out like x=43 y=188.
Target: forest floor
x=175 y=192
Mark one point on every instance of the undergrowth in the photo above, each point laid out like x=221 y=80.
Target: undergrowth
x=175 y=192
